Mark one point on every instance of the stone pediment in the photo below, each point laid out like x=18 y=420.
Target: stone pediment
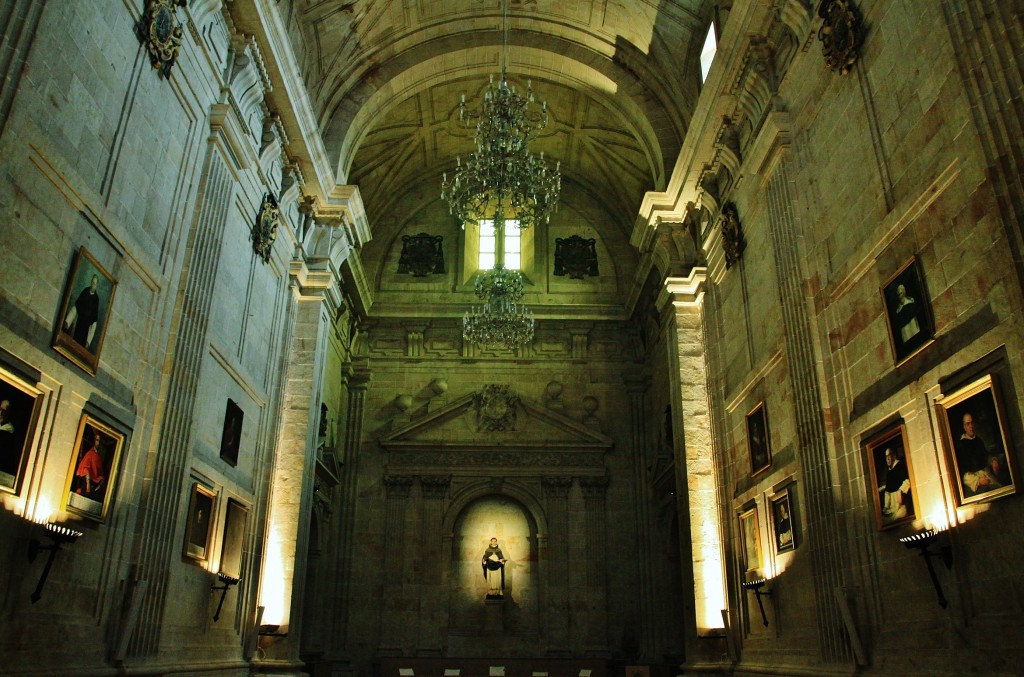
x=495 y=428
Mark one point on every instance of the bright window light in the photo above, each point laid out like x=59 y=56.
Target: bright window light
x=513 y=245
x=707 y=54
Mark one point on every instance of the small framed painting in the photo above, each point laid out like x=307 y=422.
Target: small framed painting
x=232 y=432
x=19 y=412
x=84 y=312
x=977 y=445
x=891 y=477
x=907 y=311
x=758 y=440
x=783 y=523
x=751 y=535
x=93 y=474
x=199 y=529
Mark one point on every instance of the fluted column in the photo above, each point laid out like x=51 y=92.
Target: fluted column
x=556 y=494
x=433 y=590
x=595 y=490
x=163 y=490
x=637 y=386
x=824 y=535
x=357 y=378
x=397 y=489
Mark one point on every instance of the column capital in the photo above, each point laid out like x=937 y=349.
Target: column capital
x=684 y=292
x=594 y=487
x=397 y=486
x=556 y=487
x=435 y=486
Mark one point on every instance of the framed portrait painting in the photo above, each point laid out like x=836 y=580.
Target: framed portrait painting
x=93 y=474
x=751 y=535
x=977 y=446
x=890 y=477
x=783 y=522
x=907 y=311
x=231 y=434
x=199 y=528
x=758 y=440
x=84 y=312
x=19 y=411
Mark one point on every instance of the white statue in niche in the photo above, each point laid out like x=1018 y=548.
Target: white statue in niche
x=493 y=564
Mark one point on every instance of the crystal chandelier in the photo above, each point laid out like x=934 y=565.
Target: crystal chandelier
x=500 y=319
x=502 y=180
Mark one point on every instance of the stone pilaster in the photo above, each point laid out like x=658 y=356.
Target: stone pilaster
x=595 y=490
x=314 y=304
x=647 y=620
x=824 y=535
x=164 y=487
x=556 y=494
x=397 y=490
x=695 y=458
x=433 y=590
x=356 y=377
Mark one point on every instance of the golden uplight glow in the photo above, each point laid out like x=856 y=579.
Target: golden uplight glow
x=273 y=595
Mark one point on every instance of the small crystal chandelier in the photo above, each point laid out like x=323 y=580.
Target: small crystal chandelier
x=502 y=179
x=500 y=319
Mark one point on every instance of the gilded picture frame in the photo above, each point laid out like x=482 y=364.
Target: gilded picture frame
x=20 y=404
x=199 y=528
x=85 y=311
x=908 y=313
x=92 y=478
x=977 y=445
x=891 y=477
x=759 y=439
x=750 y=535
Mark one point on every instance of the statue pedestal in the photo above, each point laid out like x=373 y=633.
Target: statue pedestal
x=494 y=616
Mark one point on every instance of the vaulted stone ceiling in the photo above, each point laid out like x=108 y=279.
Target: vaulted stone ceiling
x=620 y=78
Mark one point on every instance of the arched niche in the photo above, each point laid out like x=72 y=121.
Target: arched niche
x=481 y=514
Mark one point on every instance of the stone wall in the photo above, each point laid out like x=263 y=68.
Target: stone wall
x=158 y=177
x=840 y=181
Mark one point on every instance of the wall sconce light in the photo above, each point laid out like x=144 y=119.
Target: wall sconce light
x=922 y=541
x=757 y=586
x=59 y=535
x=226 y=584
x=271 y=630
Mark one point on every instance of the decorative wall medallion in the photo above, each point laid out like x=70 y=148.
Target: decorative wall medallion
x=575 y=257
x=496 y=408
x=264 y=231
x=422 y=255
x=160 y=32
x=839 y=34
x=732 y=235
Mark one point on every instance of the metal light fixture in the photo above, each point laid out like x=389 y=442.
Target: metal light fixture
x=501 y=318
x=757 y=586
x=59 y=535
x=922 y=541
x=502 y=180
x=226 y=582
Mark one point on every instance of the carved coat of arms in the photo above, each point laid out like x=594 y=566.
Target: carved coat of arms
x=496 y=408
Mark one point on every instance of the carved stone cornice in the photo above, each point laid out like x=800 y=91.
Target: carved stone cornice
x=508 y=463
